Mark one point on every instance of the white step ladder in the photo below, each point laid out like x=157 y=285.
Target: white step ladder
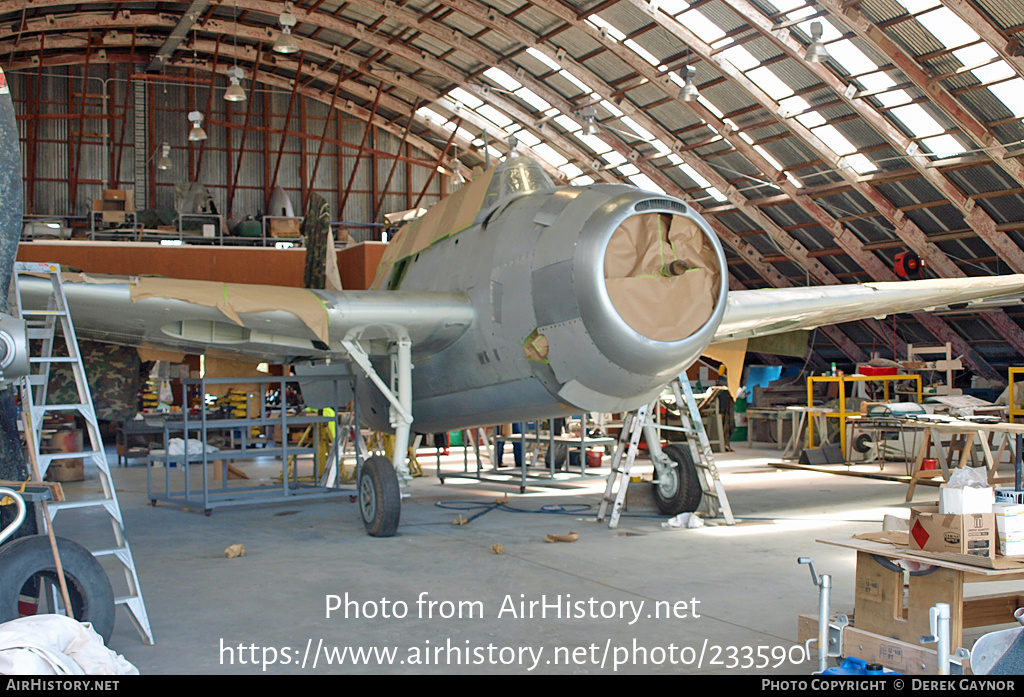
x=715 y=499
x=42 y=326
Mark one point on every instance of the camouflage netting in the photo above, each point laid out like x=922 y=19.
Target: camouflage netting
x=115 y=377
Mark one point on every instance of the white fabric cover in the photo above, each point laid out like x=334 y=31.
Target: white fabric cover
x=57 y=645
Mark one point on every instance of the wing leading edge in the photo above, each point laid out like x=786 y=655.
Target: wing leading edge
x=753 y=313
x=267 y=322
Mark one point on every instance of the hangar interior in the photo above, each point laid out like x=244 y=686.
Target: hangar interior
x=347 y=145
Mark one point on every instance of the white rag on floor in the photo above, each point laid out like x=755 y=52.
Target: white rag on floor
x=684 y=520
x=57 y=645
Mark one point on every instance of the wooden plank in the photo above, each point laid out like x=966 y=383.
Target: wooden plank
x=56 y=490
x=905 y=657
x=987 y=610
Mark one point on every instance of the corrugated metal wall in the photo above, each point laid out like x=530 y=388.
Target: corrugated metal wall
x=213 y=162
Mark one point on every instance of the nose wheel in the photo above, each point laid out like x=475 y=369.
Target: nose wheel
x=379 y=497
x=678 y=488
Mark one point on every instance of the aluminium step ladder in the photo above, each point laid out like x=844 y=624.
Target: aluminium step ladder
x=714 y=496
x=42 y=329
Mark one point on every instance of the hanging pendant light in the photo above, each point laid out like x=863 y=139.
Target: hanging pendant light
x=816 y=52
x=234 y=92
x=590 y=127
x=285 y=42
x=197 y=132
x=688 y=92
x=164 y=163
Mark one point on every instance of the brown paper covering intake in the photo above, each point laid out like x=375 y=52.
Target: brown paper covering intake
x=663 y=308
x=233 y=299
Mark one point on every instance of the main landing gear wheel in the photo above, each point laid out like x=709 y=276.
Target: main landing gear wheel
x=380 y=500
x=678 y=490
x=26 y=562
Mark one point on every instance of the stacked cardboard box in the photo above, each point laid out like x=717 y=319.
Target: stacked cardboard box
x=1010 y=524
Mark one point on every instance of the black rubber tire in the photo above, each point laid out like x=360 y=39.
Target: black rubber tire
x=379 y=497
x=26 y=560
x=681 y=494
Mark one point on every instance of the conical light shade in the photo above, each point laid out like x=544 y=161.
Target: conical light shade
x=286 y=42
x=816 y=52
x=234 y=92
x=164 y=163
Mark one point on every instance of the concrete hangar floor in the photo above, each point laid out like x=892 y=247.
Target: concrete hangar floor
x=313 y=594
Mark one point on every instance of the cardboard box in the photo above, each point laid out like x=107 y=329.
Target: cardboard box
x=966 y=500
x=284 y=227
x=72 y=470
x=1009 y=518
x=973 y=534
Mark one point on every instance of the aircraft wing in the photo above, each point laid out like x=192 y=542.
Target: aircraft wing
x=270 y=323
x=753 y=313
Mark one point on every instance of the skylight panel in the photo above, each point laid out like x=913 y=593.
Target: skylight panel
x=659 y=146
x=430 y=115
x=528 y=139
x=859 y=163
x=628 y=170
x=787 y=5
x=716 y=194
x=915 y=6
x=675 y=159
x=850 y=57
x=741 y=58
x=972 y=55
x=503 y=79
x=575 y=80
x=609 y=29
x=695 y=21
x=771 y=160
x=644 y=182
x=494 y=116
x=673 y=7
x=695 y=176
x=917 y=120
x=582 y=181
x=539 y=55
x=642 y=52
x=570 y=170
x=943 y=146
x=993 y=72
x=467 y=98
x=892 y=99
x=710 y=107
x=549 y=154
x=794 y=105
x=595 y=144
x=615 y=111
x=948 y=28
x=800 y=12
x=533 y=99
x=1011 y=94
x=835 y=140
x=770 y=83
x=613 y=158
x=637 y=128
x=568 y=124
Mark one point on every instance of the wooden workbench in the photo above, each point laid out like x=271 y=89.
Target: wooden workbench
x=961 y=434
x=879 y=606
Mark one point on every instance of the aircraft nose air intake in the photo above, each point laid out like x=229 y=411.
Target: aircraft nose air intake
x=662 y=275
x=649 y=280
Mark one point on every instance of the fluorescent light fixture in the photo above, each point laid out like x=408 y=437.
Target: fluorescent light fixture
x=170 y=243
